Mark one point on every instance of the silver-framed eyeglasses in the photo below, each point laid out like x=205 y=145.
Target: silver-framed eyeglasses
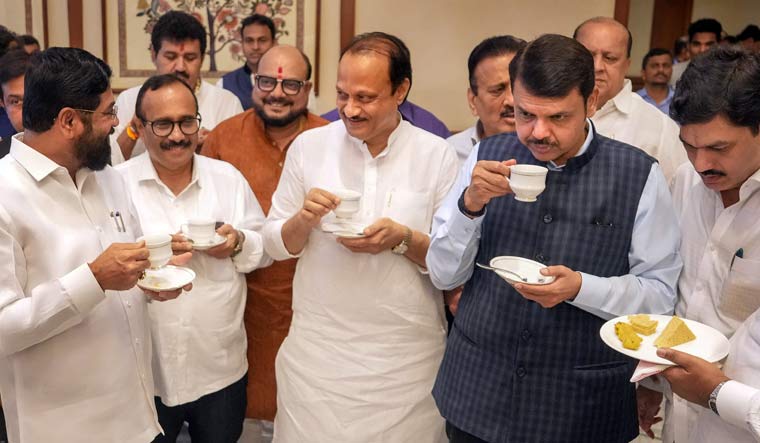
x=113 y=113
x=268 y=84
x=162 y=128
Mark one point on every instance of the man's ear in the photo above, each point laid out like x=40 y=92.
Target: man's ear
x=471 y=102
x=591 y=102
x=69 y=123
x=402 y=91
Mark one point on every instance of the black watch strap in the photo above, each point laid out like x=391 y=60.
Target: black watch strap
x=463 y=208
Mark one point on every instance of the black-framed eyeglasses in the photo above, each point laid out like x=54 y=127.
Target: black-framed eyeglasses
x=289 y=86
x=113 y=113
x=162 y=128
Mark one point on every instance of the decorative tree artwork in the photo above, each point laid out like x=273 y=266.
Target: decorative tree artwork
x=130 y=53
x=221 y=18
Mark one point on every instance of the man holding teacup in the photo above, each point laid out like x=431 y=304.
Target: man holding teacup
x=74 y=336
x=199 y=341
x=525 y=362
x=368 y=328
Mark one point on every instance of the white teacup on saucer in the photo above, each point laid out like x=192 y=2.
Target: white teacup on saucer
x=527 y=181
x=349 y=203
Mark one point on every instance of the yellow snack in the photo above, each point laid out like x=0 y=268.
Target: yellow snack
x=676 y=333
x=627 y=335
x=642 y=324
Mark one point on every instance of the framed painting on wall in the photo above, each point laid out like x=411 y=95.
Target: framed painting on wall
x=128 y=24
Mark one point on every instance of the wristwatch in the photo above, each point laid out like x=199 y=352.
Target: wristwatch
x=239 y=244
x=402 y=247
x=713 y=401
x=463 y=209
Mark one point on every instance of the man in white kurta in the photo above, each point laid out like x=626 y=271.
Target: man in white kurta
x=199 y=341
x=178 y=45
x=75 y=349
x=368 y=328
x=621 y=113
x=717 y=198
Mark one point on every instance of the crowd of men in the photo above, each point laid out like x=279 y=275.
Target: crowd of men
x=650 y=206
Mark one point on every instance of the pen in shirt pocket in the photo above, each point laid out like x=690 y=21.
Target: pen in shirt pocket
x=118 y=221
x=739 y=253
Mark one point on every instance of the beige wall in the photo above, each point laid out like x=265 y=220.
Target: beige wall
x=440 y=35
x=734 y=15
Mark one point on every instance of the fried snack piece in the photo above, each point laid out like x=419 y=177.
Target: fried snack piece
x=627 y=335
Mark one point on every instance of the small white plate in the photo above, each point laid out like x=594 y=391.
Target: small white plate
x=521 y=266
x=167 y=278
x=216 y=240
x=709 y=345
x=344 y=229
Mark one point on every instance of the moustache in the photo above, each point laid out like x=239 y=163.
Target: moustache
x=712 y=172
x=508 y=112
x=182 y=74
x=168 y=144
x=277 y=101
x=542 y=141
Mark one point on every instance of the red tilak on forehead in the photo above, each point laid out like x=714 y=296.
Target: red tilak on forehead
x=279 y=72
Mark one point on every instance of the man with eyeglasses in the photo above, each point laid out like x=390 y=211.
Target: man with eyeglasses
x=12 y=68
x=199 y=341
x=75 y=361
x=256 y=143
x=178 y=44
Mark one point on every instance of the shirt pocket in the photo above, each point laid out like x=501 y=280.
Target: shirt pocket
x=413 y=209
x=741 y=290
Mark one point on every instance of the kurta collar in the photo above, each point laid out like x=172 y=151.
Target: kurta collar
x=623 y=101
x=36 y=164
x=147 y=172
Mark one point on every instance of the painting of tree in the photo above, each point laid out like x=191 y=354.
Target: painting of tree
x=221 y=18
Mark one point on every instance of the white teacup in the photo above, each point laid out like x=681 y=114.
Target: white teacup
x=527 y=181
x=349 y=203
x=160 y=249
x=201 y=229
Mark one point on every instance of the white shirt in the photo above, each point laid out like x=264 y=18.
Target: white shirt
x=74 y=360
x=215 y=105
x=716 y=287
x=738 y=400
x=464 y=141
x=368 y=331
x=678 y=70
x=653 y=257
x=629 y=119
x=199 y=340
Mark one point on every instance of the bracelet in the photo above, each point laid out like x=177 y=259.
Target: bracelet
x=132 y=134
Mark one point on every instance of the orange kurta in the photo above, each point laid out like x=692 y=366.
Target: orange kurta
x=243 y=142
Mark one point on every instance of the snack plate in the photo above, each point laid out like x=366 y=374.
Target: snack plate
x=710 y=344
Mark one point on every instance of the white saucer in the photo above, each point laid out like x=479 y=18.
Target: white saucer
x=522 y=266
x=167 y=278
x=709 y=345
x=344 y=229
x=216 y=240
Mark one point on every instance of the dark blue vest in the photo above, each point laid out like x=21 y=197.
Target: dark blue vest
x=239 y=83
x=514 y=371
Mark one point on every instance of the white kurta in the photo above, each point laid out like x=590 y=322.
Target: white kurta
x=215 y=105
x=715 y=288
x=199 y=341
x=629 y=119
x=738 y=400
x=368 y=331
x=74 y=360
x=463 y=142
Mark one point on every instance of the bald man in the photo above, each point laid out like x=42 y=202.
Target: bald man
x=256 y=142
x=622 y=114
